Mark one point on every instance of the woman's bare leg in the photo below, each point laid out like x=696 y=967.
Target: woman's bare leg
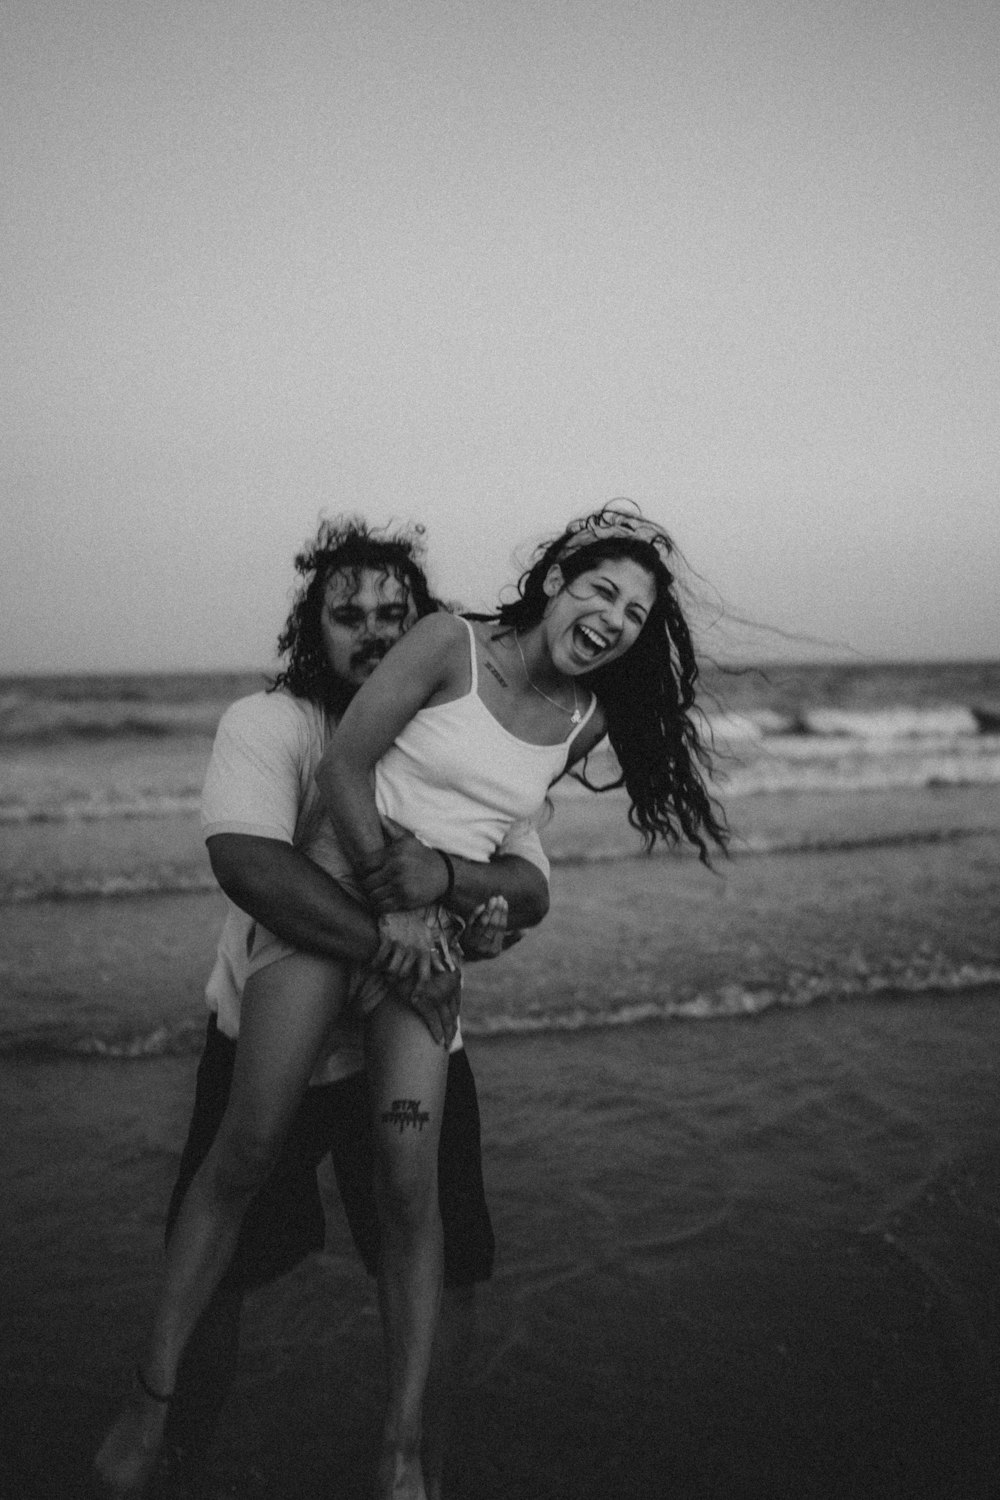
x=407 y=1072
x=445 y=1381
x=287 y=1011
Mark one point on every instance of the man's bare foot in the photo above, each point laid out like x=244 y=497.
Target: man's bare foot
x=399 y=1477
x=126 y=1459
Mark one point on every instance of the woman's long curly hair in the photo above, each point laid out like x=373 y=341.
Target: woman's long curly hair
x=345 y=544
x=648 y=695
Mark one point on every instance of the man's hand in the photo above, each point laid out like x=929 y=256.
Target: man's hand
x=413 y=947
x=404 y=874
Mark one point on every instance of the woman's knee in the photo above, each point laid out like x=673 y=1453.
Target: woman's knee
x=406 y=1185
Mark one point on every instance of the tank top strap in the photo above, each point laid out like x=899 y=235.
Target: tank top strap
x=583 y=722
x=474 y=686
x=474 y=689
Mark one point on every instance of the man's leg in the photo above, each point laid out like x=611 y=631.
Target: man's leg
x=468 y=1260
x=207 y=1371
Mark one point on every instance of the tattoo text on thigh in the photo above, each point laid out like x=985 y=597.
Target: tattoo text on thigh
x=405 y=1112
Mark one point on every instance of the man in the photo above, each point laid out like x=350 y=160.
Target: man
x=360 y=593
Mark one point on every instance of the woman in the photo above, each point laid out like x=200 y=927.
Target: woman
x=460 y=731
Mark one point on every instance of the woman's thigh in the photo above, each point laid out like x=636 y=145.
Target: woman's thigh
x=287 y=1011
x=407 y=1075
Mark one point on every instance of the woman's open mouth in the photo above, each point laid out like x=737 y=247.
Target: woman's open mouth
x=589 y=643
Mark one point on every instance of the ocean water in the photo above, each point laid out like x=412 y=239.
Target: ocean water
x=835 y=779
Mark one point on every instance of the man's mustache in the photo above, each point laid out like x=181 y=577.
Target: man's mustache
x=373 y=652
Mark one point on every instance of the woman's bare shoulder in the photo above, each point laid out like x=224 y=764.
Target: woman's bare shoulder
x=436 y=633
x=441 y=626
x=435 y=648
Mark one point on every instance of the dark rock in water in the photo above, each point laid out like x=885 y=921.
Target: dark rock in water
x=987 y=719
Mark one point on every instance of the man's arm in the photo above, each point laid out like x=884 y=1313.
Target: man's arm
x=281 y=888
x=251 y=804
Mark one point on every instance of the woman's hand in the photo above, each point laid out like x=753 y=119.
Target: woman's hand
x=403 y=874
x=485 y=934
x=411 y=948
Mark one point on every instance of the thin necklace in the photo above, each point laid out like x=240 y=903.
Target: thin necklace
x=574 y=714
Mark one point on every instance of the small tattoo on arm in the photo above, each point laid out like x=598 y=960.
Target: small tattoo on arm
x=406 y=1112
x=495 y=672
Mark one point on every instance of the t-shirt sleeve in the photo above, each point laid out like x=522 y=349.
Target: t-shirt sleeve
x=253 y=780
x=522 y=839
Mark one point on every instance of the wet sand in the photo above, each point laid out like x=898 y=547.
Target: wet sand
x=737 y=1259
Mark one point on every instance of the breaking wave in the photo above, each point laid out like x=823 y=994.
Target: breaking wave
x=98 y=808
x=172 y=880
x=922 y=977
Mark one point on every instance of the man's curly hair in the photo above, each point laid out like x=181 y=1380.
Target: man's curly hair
x=345 y=544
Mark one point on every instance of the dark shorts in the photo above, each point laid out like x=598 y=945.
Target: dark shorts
x=285 y=1221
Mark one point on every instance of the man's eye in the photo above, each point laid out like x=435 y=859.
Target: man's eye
x=392 y=616
x=345 y=617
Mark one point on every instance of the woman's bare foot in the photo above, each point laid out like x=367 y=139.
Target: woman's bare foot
x=126 y=1459
x=399 y=1476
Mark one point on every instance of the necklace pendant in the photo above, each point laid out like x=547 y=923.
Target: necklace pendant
x=575 y=716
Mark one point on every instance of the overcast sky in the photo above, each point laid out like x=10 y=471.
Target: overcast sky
x=487 y=265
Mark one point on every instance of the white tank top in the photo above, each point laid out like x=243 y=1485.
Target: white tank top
x=458 y=779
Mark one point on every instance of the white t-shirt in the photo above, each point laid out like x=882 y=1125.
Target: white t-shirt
x=261 y=781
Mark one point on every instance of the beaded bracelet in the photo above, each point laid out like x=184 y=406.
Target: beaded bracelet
x=449 y=889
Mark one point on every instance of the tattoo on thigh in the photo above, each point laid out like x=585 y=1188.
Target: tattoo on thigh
x=406 y=1112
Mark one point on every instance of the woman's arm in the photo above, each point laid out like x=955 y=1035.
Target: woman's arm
x=428 y=664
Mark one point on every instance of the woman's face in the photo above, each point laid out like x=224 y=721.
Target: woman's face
x=598 y=616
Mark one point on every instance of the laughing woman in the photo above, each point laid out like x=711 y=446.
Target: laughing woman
x=460 y=732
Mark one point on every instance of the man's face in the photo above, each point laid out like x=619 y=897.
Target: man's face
x=363 y=615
